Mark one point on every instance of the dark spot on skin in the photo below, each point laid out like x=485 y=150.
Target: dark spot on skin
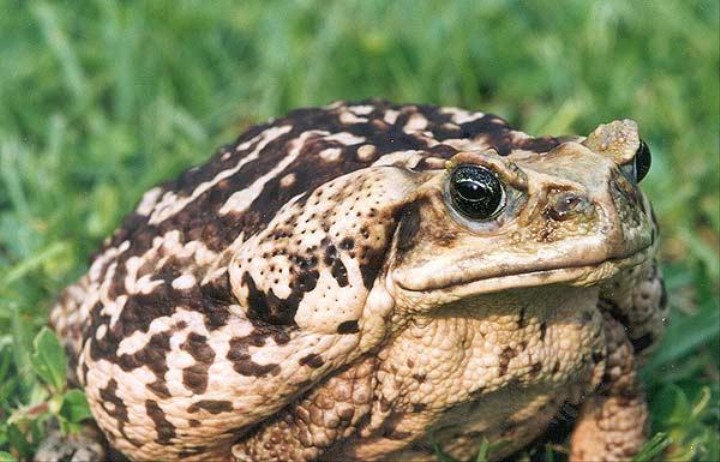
x=409 y=225
x=556 y=367
x=521 y=319
x=210 y=405
x=419 y=377
x=369 y=270
x=384 y=404
x=165 y=429
x=598 y=356
x=306 y=282
x=195 y=377
x=339 y=272
x=192 y=451
x=410 y=363
x=243 y=365
x=504 y=359
x=586 y=317
x=348 y=327
x=642 y=343
x=312 y=360
x=543 y=331
x=535 y=369
x=269 y=308
x=216 y=296
x=194 y=423
x=347 y=244
x=419 y=407
x=116 y=408
x=346 y=414
x=330 y=255
x=153 y=355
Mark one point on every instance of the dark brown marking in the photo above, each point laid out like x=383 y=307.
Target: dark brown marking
x=409 y=225
x=543 y=331
x=504 y=359
x=339 y=272
x=347 y=243
x=419 y=377
x=154 y=356
x=522 y=322
x=348 y=327
x=598 y=356
x=192 y=451
x=195 y=377
x=419 y=407
x=535 y=369
x=164 y=428
x=312 y=360
x=268 y=308
x=211 y=405
x=118 y=410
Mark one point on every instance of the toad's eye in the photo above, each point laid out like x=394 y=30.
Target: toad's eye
x=476 y=192
x=642 y=161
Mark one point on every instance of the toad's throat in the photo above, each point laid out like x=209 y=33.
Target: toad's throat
x=583 y=274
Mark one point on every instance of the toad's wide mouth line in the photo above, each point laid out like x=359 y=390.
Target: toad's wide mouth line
x=587 y=273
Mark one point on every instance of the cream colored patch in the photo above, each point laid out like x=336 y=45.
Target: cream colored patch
x=391 y=116
x=240 y=201
x=148 y=201
x=331 y=154
x=288 y=180
x=101 y=332
x=171 y=204
x=345 y=138
x=362 y=110
x=366 y=152
x=417 y=122
x=322 y=309
x=348 y=118
x=408 y=159
x=467 y=144
x=461 y=116
x=184 y=282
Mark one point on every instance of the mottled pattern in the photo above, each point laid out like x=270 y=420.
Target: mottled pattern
x=310 y=293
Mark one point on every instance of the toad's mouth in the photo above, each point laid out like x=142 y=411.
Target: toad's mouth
x=587 y=273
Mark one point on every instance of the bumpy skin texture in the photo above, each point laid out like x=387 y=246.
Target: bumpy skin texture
x=313 y=293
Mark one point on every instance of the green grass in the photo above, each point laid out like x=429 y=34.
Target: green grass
x=100 y=100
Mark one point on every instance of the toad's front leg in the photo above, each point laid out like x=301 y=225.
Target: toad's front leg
x=613 y=423
x=310 y=425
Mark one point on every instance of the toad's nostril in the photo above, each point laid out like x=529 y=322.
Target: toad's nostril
x=567 y=204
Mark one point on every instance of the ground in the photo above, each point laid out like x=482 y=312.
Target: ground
x=98 y=104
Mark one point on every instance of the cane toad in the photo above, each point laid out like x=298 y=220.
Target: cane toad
x=350 y=282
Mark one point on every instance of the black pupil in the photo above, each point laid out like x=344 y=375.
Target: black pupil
x=475 y=191
x=642 y=161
